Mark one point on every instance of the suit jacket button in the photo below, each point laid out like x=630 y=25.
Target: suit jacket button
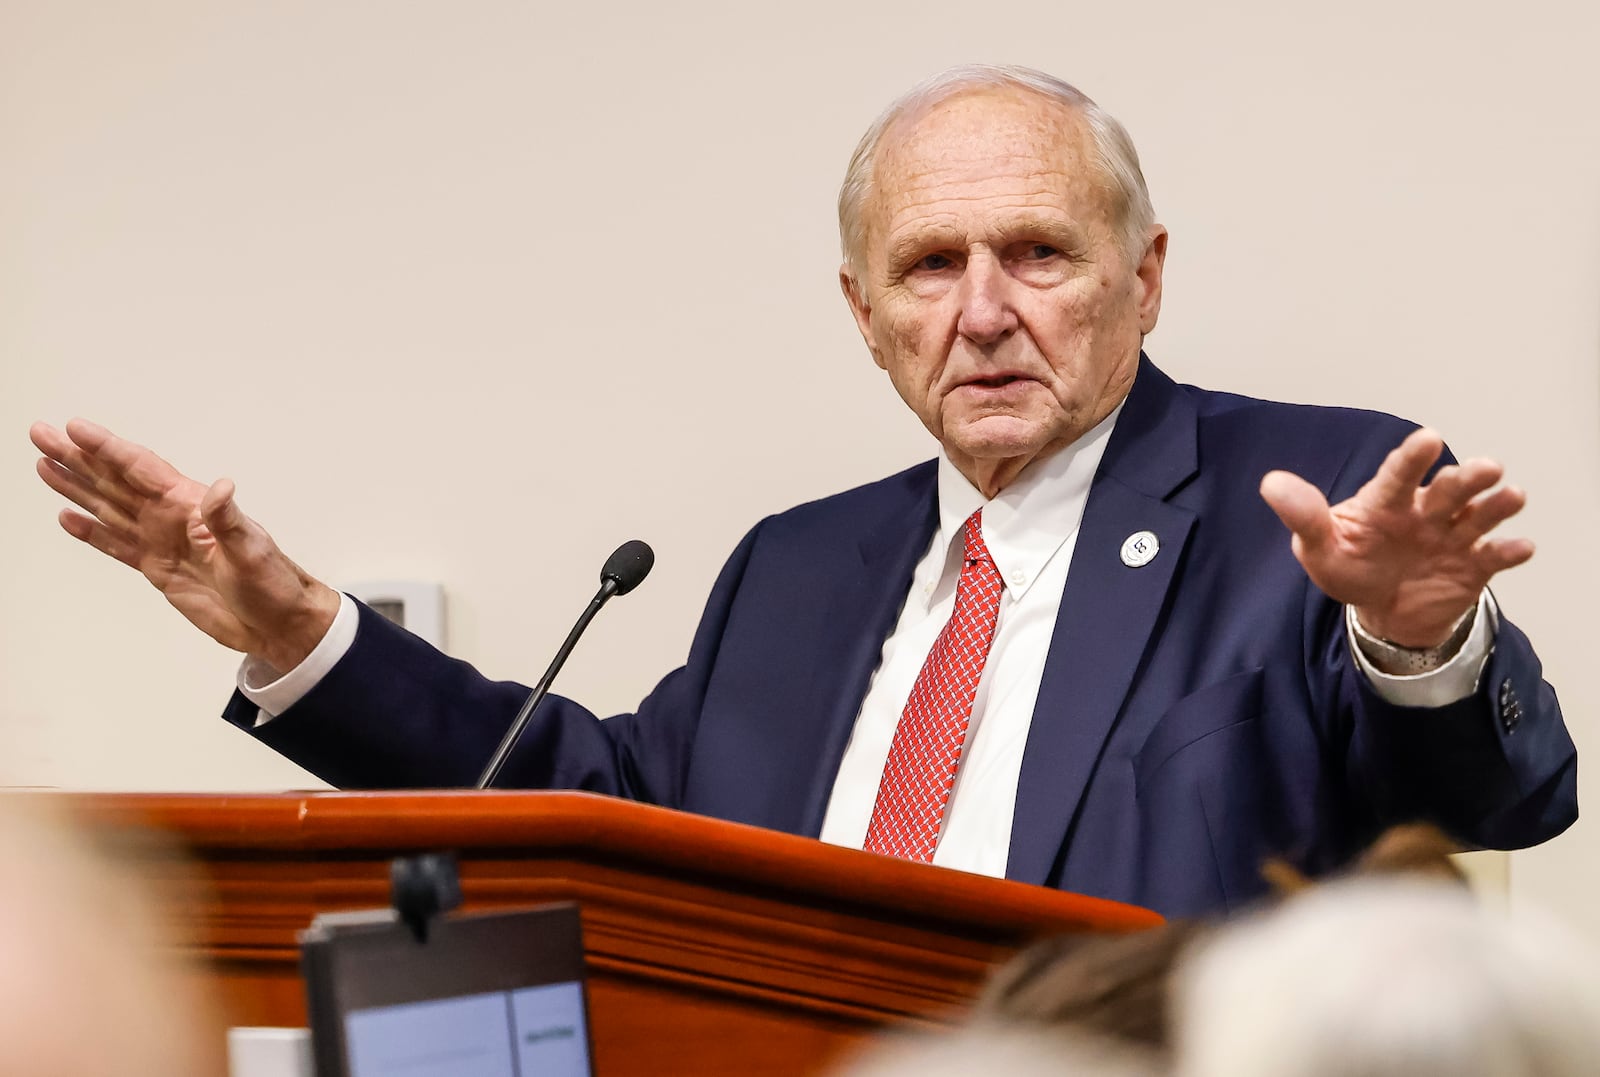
x=1510 y=706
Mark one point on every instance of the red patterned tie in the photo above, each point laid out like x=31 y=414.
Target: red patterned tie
x=926 y=749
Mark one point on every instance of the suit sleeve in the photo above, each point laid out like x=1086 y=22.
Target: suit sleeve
x=1497 y=769
x=394 y=712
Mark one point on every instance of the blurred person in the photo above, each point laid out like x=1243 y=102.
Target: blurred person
x=88 y=982
x=1120 y=986
x=1011 y=1051
x=1079 y=648
x=1401 y=977
x=1115 y=986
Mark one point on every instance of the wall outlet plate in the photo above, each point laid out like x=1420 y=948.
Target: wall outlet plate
x=415 y=605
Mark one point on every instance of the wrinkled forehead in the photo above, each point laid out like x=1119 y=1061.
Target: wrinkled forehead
x=983 y=144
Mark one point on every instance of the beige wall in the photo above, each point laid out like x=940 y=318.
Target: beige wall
x=473 y=291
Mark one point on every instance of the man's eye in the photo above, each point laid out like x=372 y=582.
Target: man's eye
x=933 y=263
x=1040 y=252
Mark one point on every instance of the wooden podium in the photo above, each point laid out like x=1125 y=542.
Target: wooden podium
x=712 y=948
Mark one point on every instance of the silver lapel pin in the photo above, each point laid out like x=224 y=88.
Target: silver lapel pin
x=1140 y=548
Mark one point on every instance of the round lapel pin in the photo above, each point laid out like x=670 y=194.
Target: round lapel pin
x=1140 y=548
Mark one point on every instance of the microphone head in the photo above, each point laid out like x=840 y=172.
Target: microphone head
x=628 y=566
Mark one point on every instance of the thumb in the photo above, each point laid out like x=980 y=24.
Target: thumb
x=1300 y=506
x=222 y=515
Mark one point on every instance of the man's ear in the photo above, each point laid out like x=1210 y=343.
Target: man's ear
x=860 y=309
x=1149 y=272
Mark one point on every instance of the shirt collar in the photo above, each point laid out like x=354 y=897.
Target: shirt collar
x=1028 y=522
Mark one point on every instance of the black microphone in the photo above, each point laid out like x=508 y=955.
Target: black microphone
x=627 y=566
x=624 y=570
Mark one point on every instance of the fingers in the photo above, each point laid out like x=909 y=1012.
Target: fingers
x=1300 y=506
x=117 y=469
x=47 y=439
x=1462 y=498
x=76 y=490
x=1488 y=512
x=1401 y=473
x=142 y=470
x=59 y=449
x=1497 y=555
x=101 y=537
x=1453 y=487
x=56 y=445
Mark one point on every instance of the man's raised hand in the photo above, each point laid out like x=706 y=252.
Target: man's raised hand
x=217 y=566
x=1410 y=559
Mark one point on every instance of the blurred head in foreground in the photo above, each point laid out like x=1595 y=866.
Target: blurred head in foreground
x=1119 y=986
x=984 y=1049
x=1377 y=977
x=86 y=988
x=1116 y=986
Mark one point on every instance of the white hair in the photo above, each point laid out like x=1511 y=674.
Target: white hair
x=1389 y=979
x=1112 y=151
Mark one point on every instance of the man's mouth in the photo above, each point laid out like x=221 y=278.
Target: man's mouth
x=992 y=382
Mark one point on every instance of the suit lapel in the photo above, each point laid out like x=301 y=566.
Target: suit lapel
x=866 y=603
x=1108 y=612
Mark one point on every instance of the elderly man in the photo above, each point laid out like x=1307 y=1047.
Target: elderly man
x=1078 y=649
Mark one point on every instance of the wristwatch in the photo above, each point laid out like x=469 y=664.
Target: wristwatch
x=1398 y=661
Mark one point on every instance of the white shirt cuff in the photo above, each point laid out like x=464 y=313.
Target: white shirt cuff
x=1450 y=683
x=274 y=691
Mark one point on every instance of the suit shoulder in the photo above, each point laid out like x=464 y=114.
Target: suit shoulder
x=1335 y=448
x=853 y=512
x=903 y=492
x=1315 y=428
x=797 y=550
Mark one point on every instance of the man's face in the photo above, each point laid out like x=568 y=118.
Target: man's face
x=997 y=292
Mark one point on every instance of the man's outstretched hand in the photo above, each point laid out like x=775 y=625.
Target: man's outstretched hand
x=1410 y=559
x=217 y=566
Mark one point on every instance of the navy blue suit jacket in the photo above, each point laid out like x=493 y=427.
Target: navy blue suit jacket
x=1195 y=714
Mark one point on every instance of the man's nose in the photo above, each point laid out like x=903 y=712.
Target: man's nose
x=987 y=315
